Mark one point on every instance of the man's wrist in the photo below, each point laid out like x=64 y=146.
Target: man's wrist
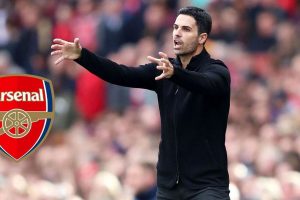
x=79 y=53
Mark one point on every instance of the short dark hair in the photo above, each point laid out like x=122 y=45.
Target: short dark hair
x=203 y=19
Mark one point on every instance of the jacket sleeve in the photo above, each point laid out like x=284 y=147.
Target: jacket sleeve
x=215 y=80
x=139 y=77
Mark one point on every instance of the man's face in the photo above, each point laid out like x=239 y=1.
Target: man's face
x=185 y=35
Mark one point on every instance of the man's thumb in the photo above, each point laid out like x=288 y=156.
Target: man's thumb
x=76 y=41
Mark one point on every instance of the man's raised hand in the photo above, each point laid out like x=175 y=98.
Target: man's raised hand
x=66 y=50
x=163 y=64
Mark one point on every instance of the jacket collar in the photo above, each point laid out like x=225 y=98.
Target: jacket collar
x=196 y=61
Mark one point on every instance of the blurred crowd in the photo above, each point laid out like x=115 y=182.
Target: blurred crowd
x=105 y=138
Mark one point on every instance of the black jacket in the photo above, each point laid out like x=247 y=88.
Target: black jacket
x=194 y=105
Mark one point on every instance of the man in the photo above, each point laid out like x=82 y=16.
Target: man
x=193 y=92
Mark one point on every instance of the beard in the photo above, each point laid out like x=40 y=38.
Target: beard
x=188 y=50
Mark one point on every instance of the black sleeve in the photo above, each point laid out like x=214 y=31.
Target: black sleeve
x=214 y=81
x=139 y=77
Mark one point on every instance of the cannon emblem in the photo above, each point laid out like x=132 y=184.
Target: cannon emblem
x=16 y=123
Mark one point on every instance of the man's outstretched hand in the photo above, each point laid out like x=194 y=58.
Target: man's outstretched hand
x=66 y=50
x=163 y=64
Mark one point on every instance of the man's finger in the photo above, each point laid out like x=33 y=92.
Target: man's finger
x=161 y=67
x=153 y=60
x=160 y=76
x=76 y=41
x=59 y=41
x=163 y=55
x=56 y=52
x=56 y=46
x=59 y=60
x=165 y=61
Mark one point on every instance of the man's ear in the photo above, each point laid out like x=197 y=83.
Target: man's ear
x=202 y=38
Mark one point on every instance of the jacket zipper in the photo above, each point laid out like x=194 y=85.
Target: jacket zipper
x=176 y=91
x=176 y=142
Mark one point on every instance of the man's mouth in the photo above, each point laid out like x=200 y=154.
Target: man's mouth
x=177 y=44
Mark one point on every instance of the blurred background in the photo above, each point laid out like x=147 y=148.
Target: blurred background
x=104 y=141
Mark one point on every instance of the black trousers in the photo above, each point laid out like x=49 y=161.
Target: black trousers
x=179 y=192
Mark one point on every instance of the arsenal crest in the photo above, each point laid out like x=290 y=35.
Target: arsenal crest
x=26 y=113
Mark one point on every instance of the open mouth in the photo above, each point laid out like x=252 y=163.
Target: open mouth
x=177 y=43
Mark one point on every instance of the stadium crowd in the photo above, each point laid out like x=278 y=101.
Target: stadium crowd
x=105 y=138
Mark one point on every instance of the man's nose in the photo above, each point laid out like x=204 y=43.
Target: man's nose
x=177 y=33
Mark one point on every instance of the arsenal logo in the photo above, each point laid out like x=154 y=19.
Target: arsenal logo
x=26 y=113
